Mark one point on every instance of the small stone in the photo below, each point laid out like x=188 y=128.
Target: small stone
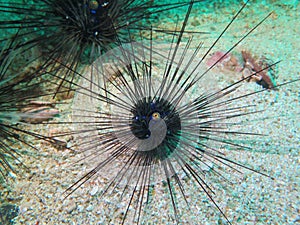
x=71 y=207
x=94 y=190
x=90 y=208
x=80 y=208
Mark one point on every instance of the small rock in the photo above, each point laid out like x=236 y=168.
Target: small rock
x=80 y=208
x=71 y=207
x=90 y=208
x=94 y=190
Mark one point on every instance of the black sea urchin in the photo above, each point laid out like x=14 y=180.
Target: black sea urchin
x=154 y=130
x=76 y=32
x=16 y=92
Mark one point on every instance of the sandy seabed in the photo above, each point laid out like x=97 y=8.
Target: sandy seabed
x=249 y=198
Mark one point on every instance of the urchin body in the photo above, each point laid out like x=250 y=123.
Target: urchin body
x=75 y=31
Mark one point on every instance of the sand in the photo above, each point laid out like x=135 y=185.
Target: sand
x=249 y=198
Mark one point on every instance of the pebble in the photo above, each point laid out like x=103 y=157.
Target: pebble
x=80 y=208
x=94 y=190
x=71 y=207
x=90 y=208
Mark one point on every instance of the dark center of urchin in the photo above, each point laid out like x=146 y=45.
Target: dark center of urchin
x=147 y=110
x=91 y=17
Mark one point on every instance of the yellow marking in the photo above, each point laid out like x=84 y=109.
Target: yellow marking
x=155 y=116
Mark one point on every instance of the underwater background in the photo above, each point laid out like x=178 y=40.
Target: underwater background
x=34 y=195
